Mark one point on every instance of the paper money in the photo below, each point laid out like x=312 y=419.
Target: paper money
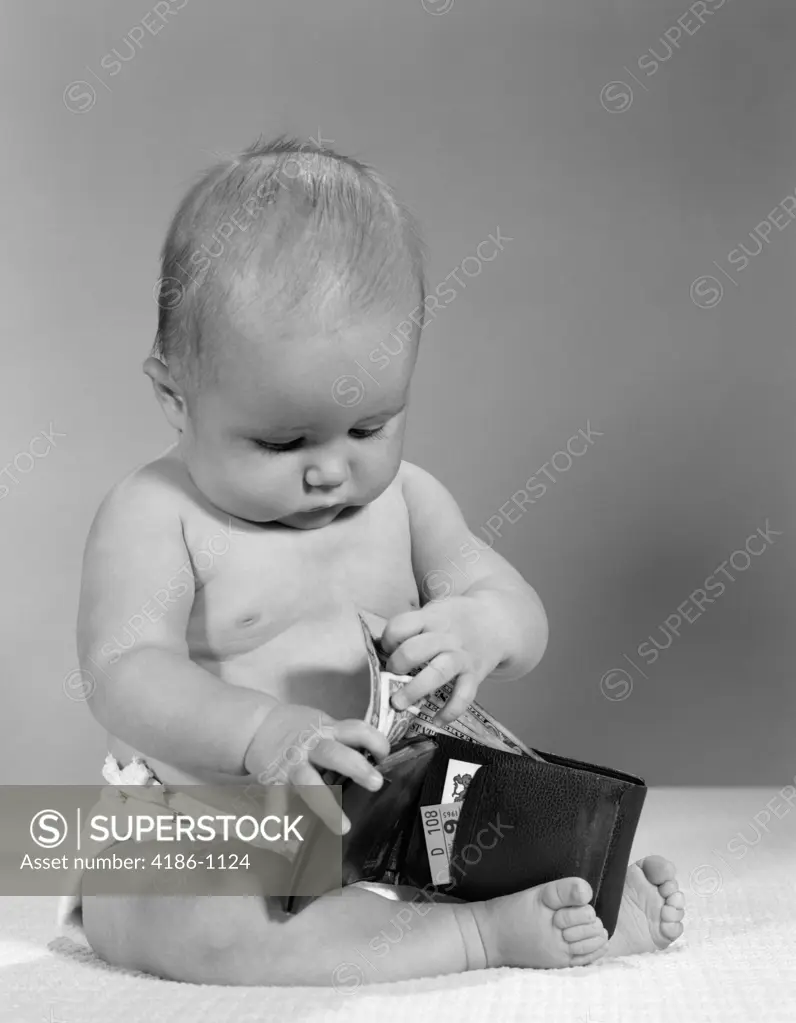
x=474 y=725
x=375 y=711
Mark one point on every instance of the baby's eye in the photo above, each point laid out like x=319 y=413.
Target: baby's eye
x=287 y=446
x=364 y=434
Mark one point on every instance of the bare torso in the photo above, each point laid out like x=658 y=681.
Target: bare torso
x=276 y=608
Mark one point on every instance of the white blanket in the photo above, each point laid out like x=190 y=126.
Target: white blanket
x=737 y=961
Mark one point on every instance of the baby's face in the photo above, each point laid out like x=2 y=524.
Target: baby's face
x=294 y=431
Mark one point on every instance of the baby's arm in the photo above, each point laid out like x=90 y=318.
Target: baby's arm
x=155 y=698
x=448 y=561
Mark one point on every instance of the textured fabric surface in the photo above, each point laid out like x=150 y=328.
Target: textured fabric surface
x=737 y=961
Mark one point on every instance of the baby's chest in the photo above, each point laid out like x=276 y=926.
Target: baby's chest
x=267 y=581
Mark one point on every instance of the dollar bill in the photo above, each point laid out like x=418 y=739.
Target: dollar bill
x=375 y=712
x=475 y=725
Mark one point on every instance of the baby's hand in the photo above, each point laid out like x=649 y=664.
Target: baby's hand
x=450 y=639
x=294 y=741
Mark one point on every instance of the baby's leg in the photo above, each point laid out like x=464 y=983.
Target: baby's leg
x=239 y=939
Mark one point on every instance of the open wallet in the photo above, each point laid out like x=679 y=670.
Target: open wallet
x=474 y=822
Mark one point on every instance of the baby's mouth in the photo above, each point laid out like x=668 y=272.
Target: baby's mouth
x=323 y=509
x=322 y=514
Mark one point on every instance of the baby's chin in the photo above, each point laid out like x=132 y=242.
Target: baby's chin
x=264 y=516
x=297 y=520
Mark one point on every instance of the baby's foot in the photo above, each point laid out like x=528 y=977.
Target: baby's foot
x=545 y=927
x=651 y=911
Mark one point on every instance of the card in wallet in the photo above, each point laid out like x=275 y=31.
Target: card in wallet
x=522 y=822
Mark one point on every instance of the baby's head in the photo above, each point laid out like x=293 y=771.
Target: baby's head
x=284 y=273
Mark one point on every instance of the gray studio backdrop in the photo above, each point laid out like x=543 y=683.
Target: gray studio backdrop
x=626 y=149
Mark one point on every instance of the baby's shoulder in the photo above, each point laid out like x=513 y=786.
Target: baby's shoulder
x=160 y=491
x=416 y=484
x=408 y=474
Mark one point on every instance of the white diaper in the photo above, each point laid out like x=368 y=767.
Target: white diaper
x=137 y=789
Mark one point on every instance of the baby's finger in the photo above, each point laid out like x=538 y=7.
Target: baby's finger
x=420 y=650
x=334 y=756
x=463 y=695
x=400 y=628
x=352 y=732
x=319 y=798
x=443 y=668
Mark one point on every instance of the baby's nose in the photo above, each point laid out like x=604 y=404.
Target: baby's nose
x=328 y=474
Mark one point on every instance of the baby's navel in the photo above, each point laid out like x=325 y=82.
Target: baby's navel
x=246 y=621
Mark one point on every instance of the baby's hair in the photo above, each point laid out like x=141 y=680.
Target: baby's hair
x=288 y=229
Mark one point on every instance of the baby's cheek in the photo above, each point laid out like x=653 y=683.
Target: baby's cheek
x=227 y=484
x=380 y=473
x=390 y=463
x=251 y=482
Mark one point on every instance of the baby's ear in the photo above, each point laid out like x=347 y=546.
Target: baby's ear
x=167 y=391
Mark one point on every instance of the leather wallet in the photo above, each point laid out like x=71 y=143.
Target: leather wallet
x=521 y=822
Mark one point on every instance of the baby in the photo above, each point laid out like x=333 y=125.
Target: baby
x=283 y=510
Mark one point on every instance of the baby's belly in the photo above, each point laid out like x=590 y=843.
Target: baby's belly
x=319 y=663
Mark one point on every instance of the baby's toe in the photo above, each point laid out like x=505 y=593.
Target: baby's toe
x=671 y=913
x=671 y=930
x=587 y=960
x=573 y=916
x=587 y=945
x=668 y=888
x=657 y=869
x=567 y=891
x=572 y=935
x=676 y=901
